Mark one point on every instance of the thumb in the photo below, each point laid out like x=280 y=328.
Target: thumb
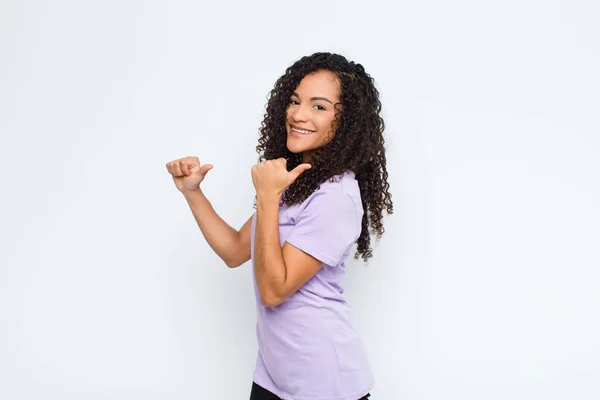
x=296 y=172
x=202 y=170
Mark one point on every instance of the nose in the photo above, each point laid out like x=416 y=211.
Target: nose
x=298 y=113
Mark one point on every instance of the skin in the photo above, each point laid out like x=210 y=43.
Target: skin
x=280 y=270
x=312 y=107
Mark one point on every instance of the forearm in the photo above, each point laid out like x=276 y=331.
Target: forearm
x=222 y=238
x=269 y=265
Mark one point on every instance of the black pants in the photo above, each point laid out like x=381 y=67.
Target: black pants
x=260 y=393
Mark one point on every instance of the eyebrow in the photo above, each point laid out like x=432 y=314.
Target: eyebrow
x=315 y=98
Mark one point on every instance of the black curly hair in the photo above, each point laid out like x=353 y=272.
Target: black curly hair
x=357 y=146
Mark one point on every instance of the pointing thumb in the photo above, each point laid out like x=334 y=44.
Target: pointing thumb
x=205 y=168
x=296 y=172
x=202 y=170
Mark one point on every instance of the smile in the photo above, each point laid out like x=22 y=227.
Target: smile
x=301 y=131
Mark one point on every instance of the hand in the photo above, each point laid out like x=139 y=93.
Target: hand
x=188 y=173
x=272 y=178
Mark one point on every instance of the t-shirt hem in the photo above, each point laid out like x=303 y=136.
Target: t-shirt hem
x=278 y=393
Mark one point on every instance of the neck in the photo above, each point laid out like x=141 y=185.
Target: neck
x=306 y=157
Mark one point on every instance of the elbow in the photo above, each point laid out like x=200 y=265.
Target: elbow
x=237 y=259
x=234 y=262
x=270 y=299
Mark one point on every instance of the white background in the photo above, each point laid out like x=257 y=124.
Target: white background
x=485 y=285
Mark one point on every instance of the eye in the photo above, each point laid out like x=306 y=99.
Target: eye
x=293 y=101
x=319 y=107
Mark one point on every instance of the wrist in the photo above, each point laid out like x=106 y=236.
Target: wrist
x=268 y=197
x=192 y=194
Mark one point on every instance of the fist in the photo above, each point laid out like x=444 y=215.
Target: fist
x=188 y=173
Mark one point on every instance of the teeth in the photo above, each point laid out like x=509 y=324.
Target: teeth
x=302 y=131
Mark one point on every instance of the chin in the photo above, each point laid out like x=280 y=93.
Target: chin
x=294 y=150
x=293 y=147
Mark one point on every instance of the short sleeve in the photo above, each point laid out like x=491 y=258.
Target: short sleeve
x=327 y=227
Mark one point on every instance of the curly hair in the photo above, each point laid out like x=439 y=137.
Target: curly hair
x=357 y=146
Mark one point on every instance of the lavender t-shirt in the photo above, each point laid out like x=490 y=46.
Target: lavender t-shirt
x=308 y=347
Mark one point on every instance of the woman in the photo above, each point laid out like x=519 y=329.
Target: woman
x=321 y=186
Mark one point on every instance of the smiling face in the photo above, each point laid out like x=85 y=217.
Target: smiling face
x=311 y=112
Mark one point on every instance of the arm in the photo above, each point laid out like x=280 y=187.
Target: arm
x=279 y=272
x=232 y=246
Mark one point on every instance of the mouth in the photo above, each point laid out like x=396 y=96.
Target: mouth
x=300 y=131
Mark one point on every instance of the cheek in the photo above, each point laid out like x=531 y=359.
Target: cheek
x=287 y=114
x=326 y=123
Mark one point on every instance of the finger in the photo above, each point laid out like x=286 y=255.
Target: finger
x=170 y=167
x=205 y=168
x=296 y=172
x=185 y=168
x=192 y=162
x=177 y=168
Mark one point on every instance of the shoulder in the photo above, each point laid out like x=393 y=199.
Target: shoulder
x=341 y=189
x=328 y=222
x=336 y=199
